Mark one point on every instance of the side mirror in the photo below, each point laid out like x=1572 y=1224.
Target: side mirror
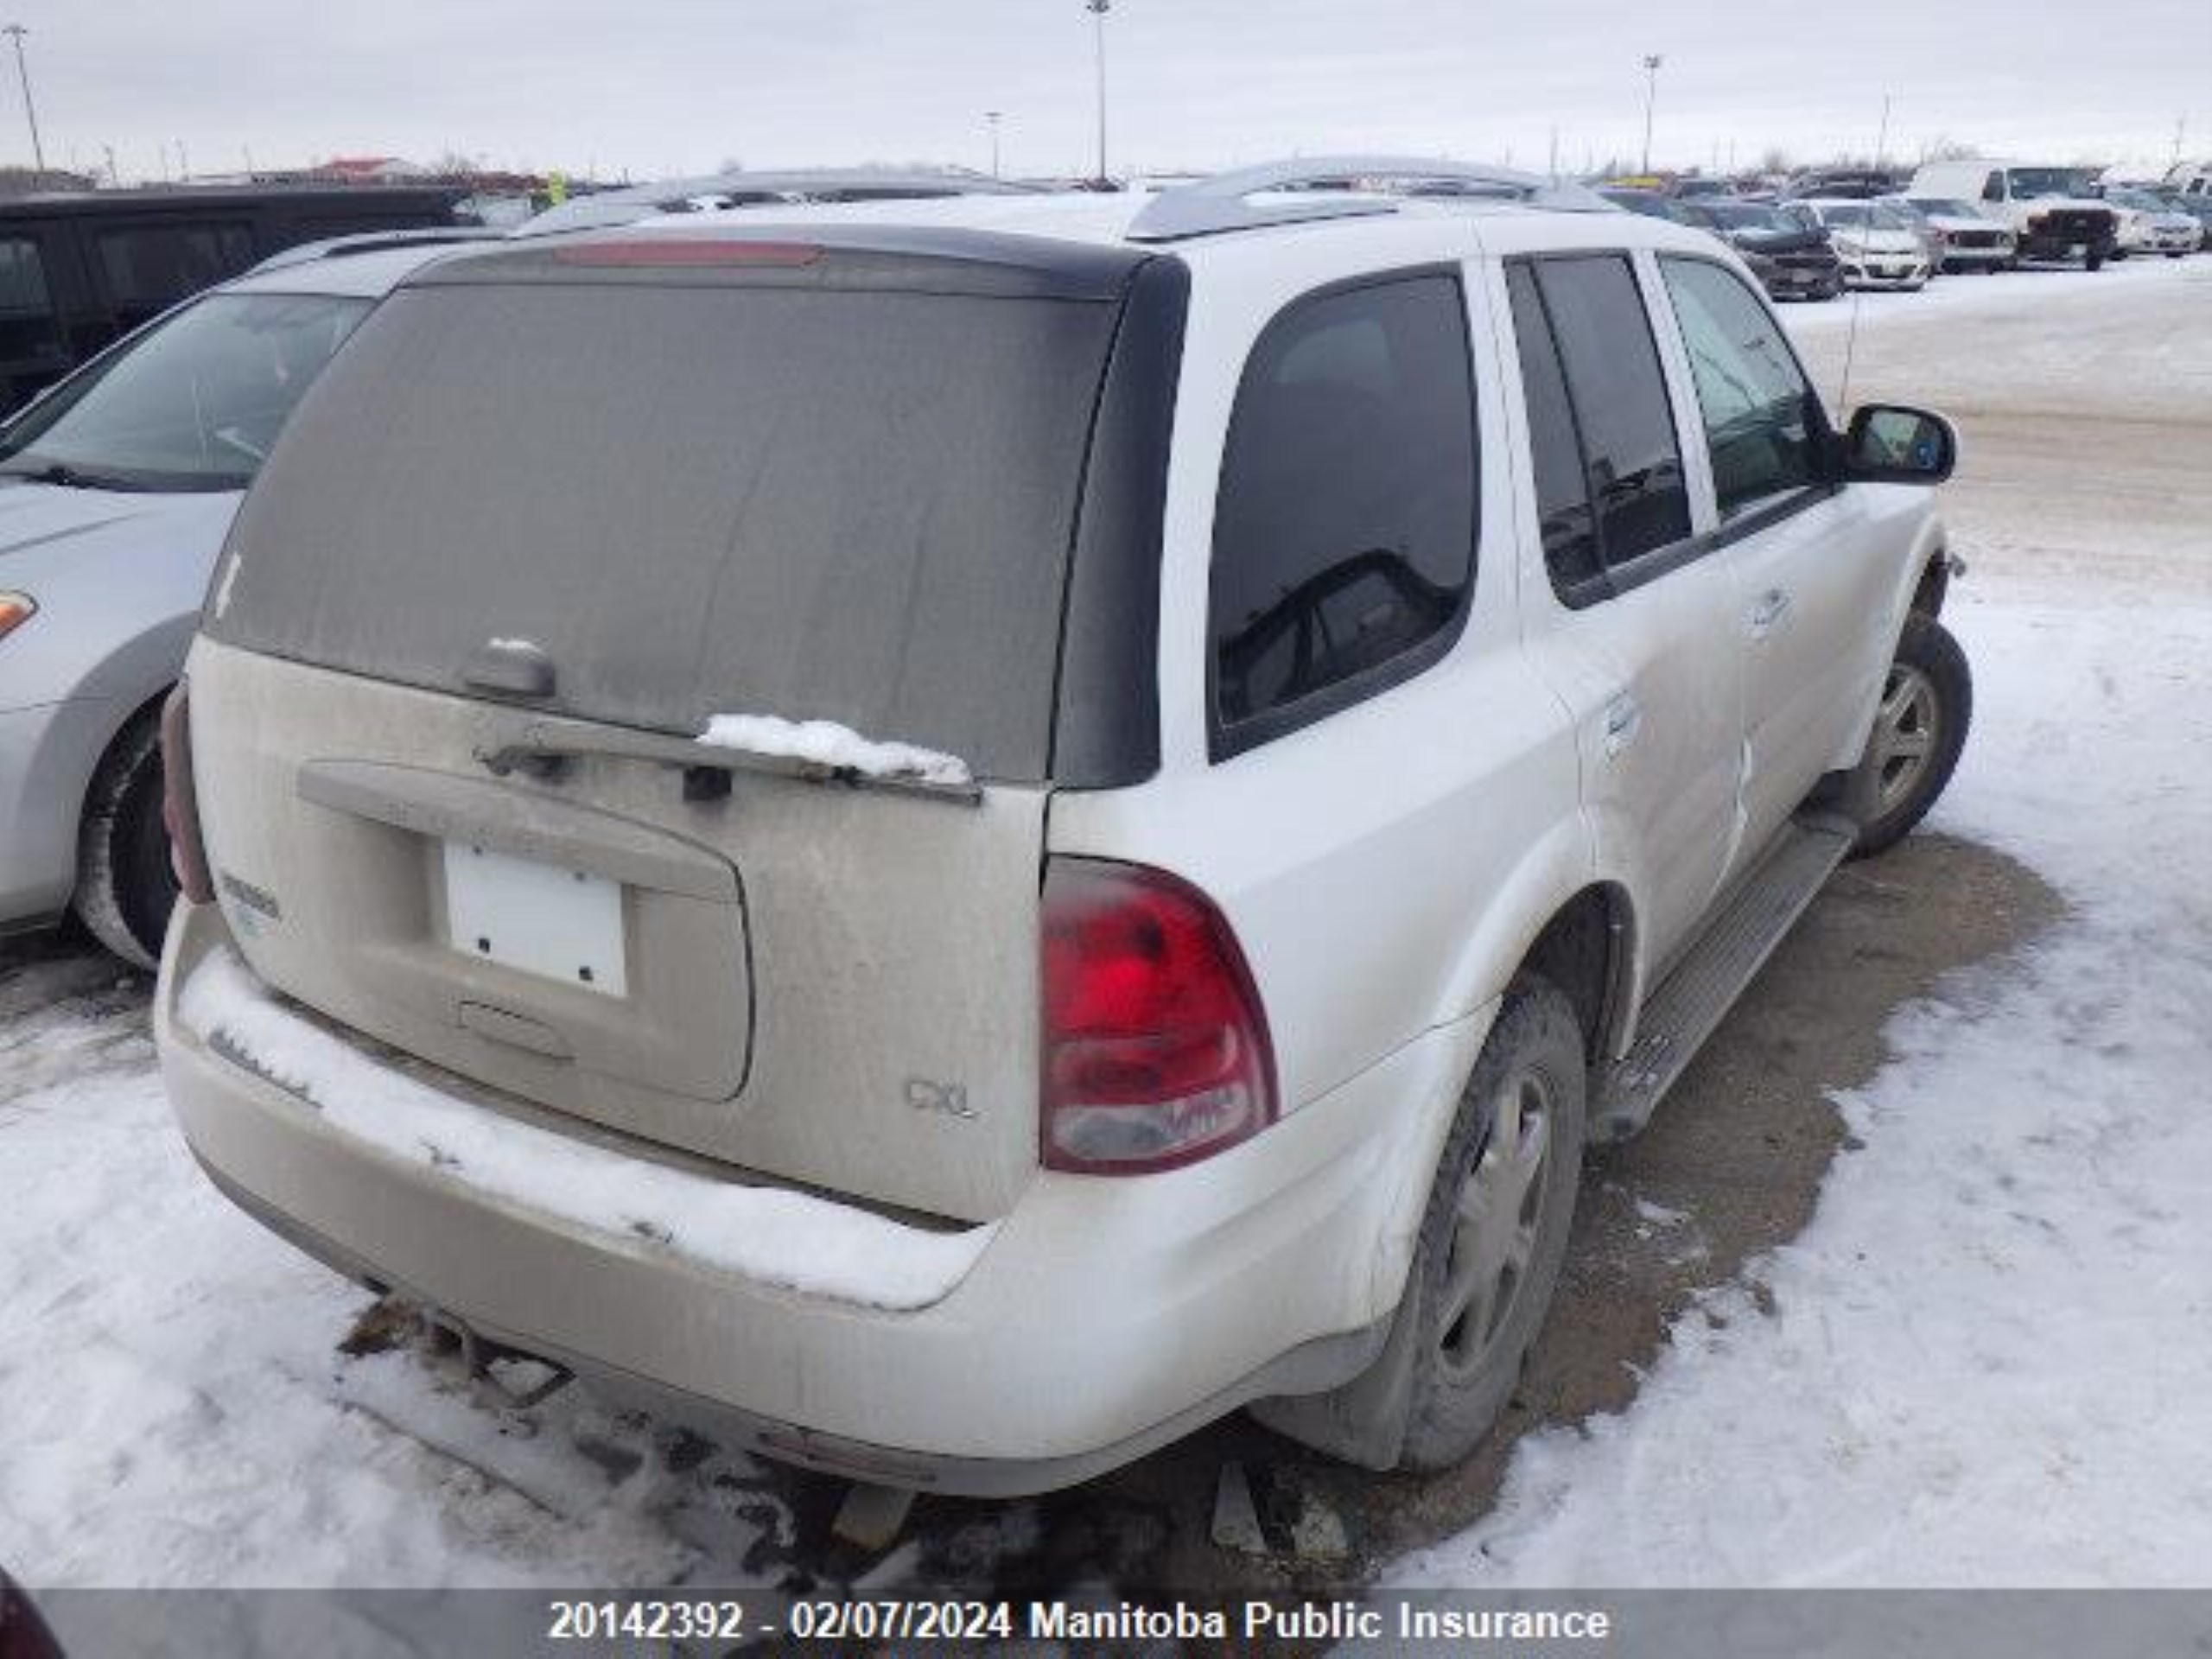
x=1891 y=443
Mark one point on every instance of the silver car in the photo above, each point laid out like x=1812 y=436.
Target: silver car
x=117 y=488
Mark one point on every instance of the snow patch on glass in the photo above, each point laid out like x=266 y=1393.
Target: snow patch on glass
x=791 y=1240
x=825 y=743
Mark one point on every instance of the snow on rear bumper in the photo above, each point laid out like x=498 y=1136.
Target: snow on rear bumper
x=1101 y=1318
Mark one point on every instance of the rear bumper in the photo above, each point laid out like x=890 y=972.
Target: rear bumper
x=1105 y=1317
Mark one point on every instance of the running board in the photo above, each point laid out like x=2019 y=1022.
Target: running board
x=1704 y=985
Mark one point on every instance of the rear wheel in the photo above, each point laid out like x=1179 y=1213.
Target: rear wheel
x=2095 y=259
x=1495 y=1232
x=1920 y=729
x=125 y=887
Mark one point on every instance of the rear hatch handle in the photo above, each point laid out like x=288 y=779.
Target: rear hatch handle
x=541 y=749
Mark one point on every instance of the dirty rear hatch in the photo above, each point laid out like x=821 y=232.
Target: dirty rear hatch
x=555 y=511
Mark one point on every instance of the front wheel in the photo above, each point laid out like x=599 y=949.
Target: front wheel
x=1920 y=730
x=125 y=886
x=2094 y=260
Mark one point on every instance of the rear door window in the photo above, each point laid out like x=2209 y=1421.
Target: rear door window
x=143 y=270
x=1590 y=372
x=1568 y=527
x=1632 y=458
x=1344 y=526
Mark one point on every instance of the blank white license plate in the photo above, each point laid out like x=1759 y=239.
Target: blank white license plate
x=560 y=924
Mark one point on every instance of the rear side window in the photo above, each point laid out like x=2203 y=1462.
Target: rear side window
x=1581 y=325
x=1345 y=528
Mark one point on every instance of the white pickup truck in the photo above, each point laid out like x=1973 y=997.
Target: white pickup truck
x=2054 y=211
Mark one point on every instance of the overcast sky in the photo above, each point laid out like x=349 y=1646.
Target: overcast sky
x=661 y=86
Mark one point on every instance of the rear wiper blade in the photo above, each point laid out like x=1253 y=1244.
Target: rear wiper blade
x=543 y=747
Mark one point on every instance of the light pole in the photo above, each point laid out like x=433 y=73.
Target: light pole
x=1650 y=100
x=1099 y=8
x=23 y=74
x=993 y=116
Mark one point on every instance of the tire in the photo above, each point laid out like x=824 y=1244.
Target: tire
x=1928 y=696
x=125 y=886
x=1532 y=1073
x=2094 y=260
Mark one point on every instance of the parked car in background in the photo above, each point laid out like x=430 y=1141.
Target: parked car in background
x=2198 y=208
x=1877 y=244
x=2053 y=212
x=721 y=191
x=1793 y=260
x=2150 y=225
x=117 y=488
x=679 y=886
x=79 y=271
x=1652 y=204
x=1967 y=237
x=1922 y=230
x=1842 y=183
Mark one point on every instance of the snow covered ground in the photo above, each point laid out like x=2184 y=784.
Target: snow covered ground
x=1987 y=1361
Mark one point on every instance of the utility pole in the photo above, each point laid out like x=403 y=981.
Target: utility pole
x=1651 y=63
x=993 y=116
x=1099 y=8
x=1554 y=167
x=2181 y=130
x=30 y=110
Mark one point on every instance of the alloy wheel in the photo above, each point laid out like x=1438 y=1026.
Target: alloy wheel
x=1494 y=1233
x=1904 y=735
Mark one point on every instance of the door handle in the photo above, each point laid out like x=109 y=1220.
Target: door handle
x=1769 y=608
x=1623 y=720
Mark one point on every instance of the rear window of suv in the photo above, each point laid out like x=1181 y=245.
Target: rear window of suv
x=803 y=497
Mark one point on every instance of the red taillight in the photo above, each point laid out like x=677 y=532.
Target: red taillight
x=1156 y=1050
x=180 y=806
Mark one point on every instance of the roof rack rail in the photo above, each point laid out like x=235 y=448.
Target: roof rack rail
x=1224 y=202
x=345 y=247
x=787 y=186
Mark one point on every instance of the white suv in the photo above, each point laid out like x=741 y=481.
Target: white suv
x=971 y=833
